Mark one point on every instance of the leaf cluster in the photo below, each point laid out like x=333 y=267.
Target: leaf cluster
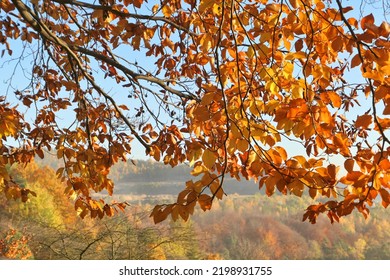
x=233 y=83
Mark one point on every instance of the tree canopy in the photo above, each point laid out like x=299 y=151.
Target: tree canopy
x=224 y=86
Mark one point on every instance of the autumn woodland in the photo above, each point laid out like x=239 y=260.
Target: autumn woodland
x=244 y=225
x=240 y=129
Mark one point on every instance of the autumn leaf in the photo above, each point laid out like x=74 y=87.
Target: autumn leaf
x=363 y=121
x=356 y=61
x=348 y=164
x=167 y=11
x=294 y=3
x=367 y=21
x=209 y=158
x=205 y=202
x=224 y=87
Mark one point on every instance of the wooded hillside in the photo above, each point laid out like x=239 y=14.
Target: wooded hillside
x=240 y=227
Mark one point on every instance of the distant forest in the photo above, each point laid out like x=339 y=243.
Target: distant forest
x=154 y=178
x=244 y=225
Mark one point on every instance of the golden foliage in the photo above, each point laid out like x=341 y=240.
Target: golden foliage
x=233 y=83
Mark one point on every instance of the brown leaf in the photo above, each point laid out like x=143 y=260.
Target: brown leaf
x=348 y=164
x=205 y=202
x=363 y=121
x=332 y=170
x=367 y=20
x=356 y=61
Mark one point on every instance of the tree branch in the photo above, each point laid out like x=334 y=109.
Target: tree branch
x=29 y=16
x=112 y=9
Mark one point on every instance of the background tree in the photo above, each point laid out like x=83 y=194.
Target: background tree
x=239 y=227
x=232 y=84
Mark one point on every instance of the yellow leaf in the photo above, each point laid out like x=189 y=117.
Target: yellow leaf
x=297 y=55
x=155 y=8
x=167 y=11
x=377 y=181
x=199 y=169
x=204 y=5
x=217 y=10
x=209 y=158
x=206 y=42
x=302 y=161
x=193 y=155
x=250 y=52
x=288 y=70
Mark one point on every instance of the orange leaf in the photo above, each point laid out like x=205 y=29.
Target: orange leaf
x=273 y=7
x=40 y=153
x=138 y=3
x=363 y=121
x=384 y=29
x=294 y=3
x=386 y=111
x=353 y=22
x=355 y=61
x=299 y=45
x=348 y=164
x=335 y=98
x=332 y=170
x=367 y=21
x=155 y=152
x=205 y=202
x=385 y=197
x=384 y=123
x=337 y=44
x=347 y=9
x=123 y=107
